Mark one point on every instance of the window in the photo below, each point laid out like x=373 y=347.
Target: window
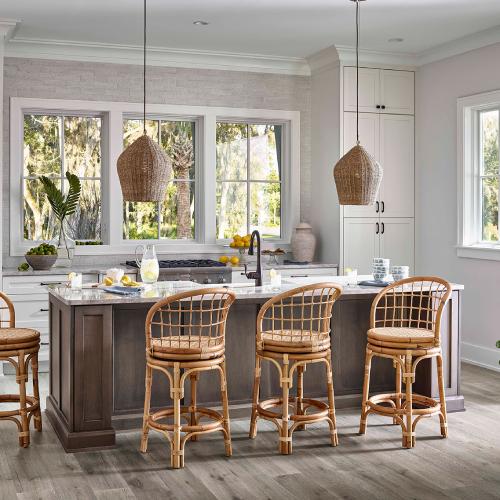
x=175 y=217
x=52 y=145
x=249 y=179
x=479 y=176
x=233 y=170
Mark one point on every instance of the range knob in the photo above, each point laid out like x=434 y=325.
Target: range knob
x=221 y=279
x=206 y=281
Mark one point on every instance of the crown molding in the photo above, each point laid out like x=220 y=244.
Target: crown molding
x=459 y=46
x=7 y=27
x=157 y=56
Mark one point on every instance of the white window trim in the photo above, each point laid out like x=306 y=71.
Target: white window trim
x=469 y=217
x=205 y=185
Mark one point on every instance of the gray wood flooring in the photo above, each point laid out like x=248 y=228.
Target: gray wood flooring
x=467 y=465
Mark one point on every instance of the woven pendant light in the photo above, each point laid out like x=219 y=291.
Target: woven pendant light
x=144 y=169
x=357 y=174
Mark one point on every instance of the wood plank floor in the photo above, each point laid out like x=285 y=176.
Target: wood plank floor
x=467 y=465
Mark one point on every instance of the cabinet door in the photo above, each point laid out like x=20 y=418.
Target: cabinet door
x=397 y=91
x=369 y=89
x=369 y=139
x=397 y=241
x=397 y=160
x=361 y=243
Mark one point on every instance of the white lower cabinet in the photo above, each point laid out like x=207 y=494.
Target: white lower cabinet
x=31 y=304
x=238 y=276
x=366 y=238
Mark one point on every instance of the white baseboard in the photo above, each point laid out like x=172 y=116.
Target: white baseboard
x=486 y=357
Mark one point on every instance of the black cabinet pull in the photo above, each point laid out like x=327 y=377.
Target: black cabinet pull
x=378 y=207
x=43 y=310
x=299 y=276
x=51 y=283
x=383 y=107
x=383 y=228
x=377 y=225
x=383 y=207
x=378 y=106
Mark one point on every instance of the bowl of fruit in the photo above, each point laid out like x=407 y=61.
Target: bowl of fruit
x=42 y=257
x=241 y=243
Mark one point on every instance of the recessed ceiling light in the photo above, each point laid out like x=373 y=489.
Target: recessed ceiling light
x=201 y=23
x=396 y=40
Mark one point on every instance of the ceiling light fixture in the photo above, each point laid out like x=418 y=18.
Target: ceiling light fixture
x=144 y=169
x=357 y=174
x=201 y=23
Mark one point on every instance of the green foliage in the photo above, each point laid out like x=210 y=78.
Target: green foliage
x=62 y=205
x=23 y=267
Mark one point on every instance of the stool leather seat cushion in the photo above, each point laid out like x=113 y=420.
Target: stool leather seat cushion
x=308 y=341
x=176 y=345
x=401 y=335
x=17 y=337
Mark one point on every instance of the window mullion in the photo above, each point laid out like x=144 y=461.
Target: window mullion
x=248 y=178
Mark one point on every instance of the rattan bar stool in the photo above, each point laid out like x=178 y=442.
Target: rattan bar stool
x=20 y=346
x=405 y=327
x=293 y=330
x=185 y=335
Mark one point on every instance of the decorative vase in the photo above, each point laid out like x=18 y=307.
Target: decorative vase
x=303 y=243
x=65 y=247
x=242 y=255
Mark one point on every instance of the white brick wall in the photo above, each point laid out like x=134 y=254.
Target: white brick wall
x=120 y=82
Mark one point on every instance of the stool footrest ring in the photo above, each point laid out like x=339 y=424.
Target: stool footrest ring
x=374 y=403
x=217 y=420
x=264 y=411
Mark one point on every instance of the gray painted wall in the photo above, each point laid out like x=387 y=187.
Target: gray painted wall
x=438 y=85
x=195 y=87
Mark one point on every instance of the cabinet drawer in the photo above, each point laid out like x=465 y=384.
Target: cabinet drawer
x=305 y=273
x=32 y=312
x=29 y=285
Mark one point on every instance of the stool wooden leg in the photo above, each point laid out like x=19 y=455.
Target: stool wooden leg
x=225 y=410
x=331 y=401
x=177 y=451
x=194 y=379
x=397 y=366
x=366 y=391
x=285 y=439
x=408 y=438
x=299 y=406
x=24 y=435
x=147 y=404
x=442 y=399
x=37 y=417
x=255 y=398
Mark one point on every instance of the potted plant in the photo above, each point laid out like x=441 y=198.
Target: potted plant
x=63 y=206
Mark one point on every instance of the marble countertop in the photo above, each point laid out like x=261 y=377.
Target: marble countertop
x=60 y=271
x=162 y=289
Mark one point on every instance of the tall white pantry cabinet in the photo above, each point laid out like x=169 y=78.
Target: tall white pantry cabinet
x=386 y=129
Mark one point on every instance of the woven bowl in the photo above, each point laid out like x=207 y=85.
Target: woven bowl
x=41 y=262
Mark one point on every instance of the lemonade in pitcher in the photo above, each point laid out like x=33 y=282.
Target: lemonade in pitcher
x=148 y=265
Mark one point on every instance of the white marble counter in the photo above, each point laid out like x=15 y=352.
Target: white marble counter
x=162 y=289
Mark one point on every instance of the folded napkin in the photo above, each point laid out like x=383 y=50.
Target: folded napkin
x=380 y=284
x=123 y=290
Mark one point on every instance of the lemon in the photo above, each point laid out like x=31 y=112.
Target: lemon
x=224 y=259
x=150 y=275
x=240 y=244
x=236 y=237
x=133 y=283
x=347 y=270
x=108 y=281
x=126 y=280
x=234 y=261
x=71 y=276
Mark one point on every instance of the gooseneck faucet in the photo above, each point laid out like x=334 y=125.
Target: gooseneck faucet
x=257 y=274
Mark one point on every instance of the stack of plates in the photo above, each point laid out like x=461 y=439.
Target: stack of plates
x=381 y=269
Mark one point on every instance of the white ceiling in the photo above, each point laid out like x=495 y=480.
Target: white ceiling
x=293 y=28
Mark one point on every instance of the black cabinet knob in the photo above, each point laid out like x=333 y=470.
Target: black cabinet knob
x=383 y=107
x=378 y=106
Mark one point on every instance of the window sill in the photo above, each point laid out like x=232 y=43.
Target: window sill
x=478 y=251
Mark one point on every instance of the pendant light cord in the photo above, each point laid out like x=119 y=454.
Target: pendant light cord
x=357 y=72
x=144 y=73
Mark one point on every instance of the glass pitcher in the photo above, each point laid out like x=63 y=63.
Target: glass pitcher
x=148 y=265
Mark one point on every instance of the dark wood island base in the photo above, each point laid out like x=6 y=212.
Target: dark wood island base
x=97 y=363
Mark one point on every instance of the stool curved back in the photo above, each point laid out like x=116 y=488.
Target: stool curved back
x=302 y=312
x=192 y=322
x=415 y=302
x=7 y=312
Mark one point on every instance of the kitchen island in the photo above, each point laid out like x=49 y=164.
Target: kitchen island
x=97 y=358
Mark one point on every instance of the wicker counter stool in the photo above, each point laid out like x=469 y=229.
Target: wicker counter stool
x=293 y=330
x=185 y=335
x=20 y=346
x=405 y=327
